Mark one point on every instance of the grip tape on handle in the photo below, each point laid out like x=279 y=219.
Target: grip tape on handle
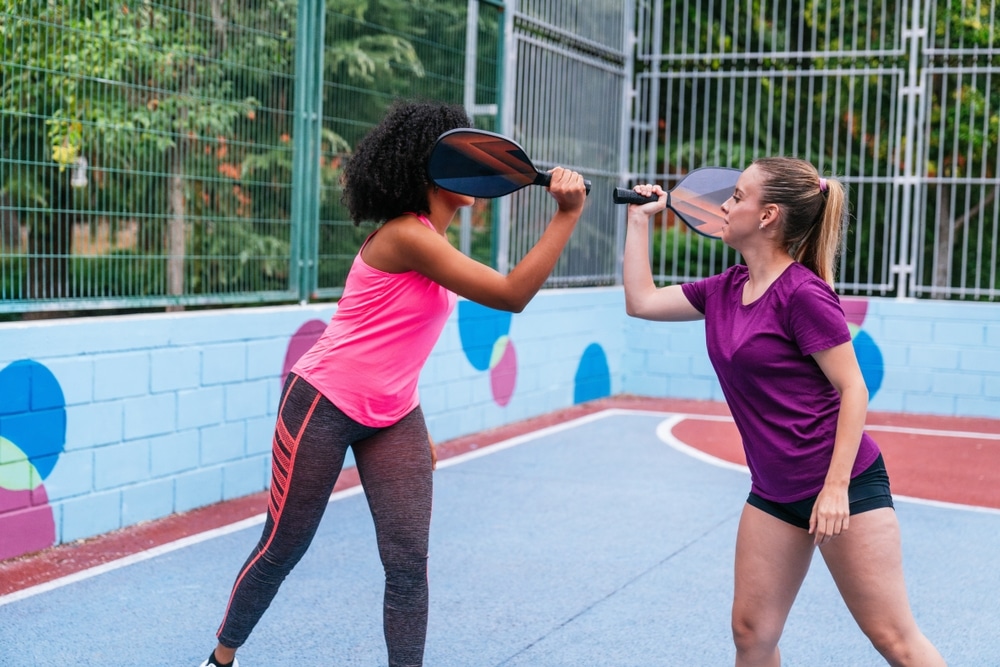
x=627 y=196
x=544 y=179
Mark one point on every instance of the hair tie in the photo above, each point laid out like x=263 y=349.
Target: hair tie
x=823 y=186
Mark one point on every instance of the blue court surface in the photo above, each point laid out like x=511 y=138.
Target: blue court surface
x=590 y=543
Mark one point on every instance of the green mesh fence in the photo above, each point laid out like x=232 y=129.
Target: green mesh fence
x=149 y=154
x=421 y=52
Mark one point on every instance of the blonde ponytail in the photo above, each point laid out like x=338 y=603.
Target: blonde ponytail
x=812 y=211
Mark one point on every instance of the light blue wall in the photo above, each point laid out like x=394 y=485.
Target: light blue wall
x=109 y=421
x=921 y=357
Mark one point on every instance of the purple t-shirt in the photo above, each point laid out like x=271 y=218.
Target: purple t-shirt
x=784 y=406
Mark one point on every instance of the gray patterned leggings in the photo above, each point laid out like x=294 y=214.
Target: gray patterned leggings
x=394 y=463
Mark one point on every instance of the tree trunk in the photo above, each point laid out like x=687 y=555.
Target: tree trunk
x=50 y=242
x=176 y=236
x=942 y=243
x=10 y=227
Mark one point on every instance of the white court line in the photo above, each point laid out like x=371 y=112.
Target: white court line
x=931 y=432
x=664 y=431
x=140 y=556
x=934 y=433
x=521 y=439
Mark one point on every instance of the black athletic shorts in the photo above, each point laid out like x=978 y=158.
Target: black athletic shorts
x=867 y=491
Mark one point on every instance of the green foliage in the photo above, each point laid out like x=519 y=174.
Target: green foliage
x=13 y=274
x=193 y=102
x=176 y=101
x=237 y=256
x=122 y=273
x=770 y=63
x=377 y=51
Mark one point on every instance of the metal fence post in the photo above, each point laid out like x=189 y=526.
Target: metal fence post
x=629 y=100
x=472 y=107
x=508 y=86
x=310 y=29
x=912 y=93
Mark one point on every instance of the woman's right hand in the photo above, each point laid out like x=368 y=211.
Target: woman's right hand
x=650 y=208
x=567 y=188
x=643 y=299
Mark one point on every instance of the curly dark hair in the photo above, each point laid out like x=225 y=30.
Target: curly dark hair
x=387 y=174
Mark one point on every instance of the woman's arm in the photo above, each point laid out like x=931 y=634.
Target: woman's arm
x=420 y=249
x=831 y=513
x=642 y=298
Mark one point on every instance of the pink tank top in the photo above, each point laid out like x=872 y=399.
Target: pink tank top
x=368 y=360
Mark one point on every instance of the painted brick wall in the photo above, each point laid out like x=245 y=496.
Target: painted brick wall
x=922 y=357
x=109 y=421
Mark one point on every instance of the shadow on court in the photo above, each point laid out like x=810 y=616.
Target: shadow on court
x=589 y=543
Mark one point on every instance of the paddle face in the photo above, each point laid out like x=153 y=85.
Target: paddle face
x=696 y=199
x=482 y=164
x=478 y=163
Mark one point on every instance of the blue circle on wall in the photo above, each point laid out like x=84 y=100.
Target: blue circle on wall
x=33 y=413
x=593 y=377
x=479 y=327
x=870 y=360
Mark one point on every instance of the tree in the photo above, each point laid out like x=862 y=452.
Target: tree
x=770 y=73
x=128 y=86
x=963 y=136
x=183 y=111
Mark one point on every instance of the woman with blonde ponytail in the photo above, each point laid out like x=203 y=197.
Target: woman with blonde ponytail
x=779 y=342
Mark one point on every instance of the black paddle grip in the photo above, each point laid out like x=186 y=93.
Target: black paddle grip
x=627 y=196
x=544 y=179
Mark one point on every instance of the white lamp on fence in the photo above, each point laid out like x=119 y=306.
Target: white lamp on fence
x=79 y=177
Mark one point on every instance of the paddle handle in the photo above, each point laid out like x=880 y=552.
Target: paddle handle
x=544 y=179
x=627 y=196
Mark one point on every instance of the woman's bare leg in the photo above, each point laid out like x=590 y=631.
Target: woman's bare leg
x=772 y=559
x=867 y=564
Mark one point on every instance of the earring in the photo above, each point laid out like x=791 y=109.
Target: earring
x=761 y=226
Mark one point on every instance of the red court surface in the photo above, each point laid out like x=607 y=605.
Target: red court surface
x=943 y=459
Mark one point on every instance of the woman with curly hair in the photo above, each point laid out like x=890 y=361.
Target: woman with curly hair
x=357 y=386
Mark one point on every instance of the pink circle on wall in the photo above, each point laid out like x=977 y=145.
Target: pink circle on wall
x=301 y=341
x=27 y=523
x=503 y=374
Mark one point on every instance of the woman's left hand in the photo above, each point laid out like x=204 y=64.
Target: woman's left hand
x=434 y=452
x=831 y=514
